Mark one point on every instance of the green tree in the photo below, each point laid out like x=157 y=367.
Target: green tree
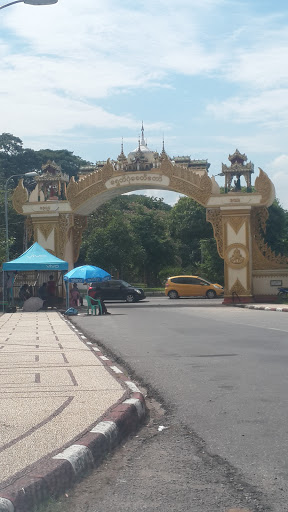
x=153 y=236
x=276 y=234
x=188 y=226
x=130 y=235
x=211 y=266
x=10 y=145
x=113 y=248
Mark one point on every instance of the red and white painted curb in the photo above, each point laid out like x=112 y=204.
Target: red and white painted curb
x=263 y=308
x=67 y=467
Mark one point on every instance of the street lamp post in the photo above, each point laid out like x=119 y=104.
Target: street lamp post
x=31 y=2
x=27 y=175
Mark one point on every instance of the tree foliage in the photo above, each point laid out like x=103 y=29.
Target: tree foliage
x=17 y=160
x=276 y=234
x=188 y=226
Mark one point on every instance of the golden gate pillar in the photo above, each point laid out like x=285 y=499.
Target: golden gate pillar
x=232 y=229
x=50 y=220
x=238 y=218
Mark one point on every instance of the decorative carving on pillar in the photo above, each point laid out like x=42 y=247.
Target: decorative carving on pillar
x=28 y=228
x=80 y=223
x=236 y=256
x=20 y=197
x=63 y=233
x=215 y=217
x=89 y=186
x=264 y=186
x=263 y=256
x=46 y=229
x=239 y=289
x=236 y=223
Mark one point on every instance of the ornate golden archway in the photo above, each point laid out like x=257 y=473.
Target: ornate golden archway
x=57 y=211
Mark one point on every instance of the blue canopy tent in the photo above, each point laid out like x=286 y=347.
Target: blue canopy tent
x=85 y=274
x=35 y=258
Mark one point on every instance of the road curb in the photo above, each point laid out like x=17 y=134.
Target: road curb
x=64 y=469
x=262 y=308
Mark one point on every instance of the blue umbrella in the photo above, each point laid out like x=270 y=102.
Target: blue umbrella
x=87 y=274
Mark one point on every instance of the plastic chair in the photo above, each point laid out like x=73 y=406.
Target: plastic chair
x=93 y=304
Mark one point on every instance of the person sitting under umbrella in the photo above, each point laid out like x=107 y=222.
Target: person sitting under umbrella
x=98 y=295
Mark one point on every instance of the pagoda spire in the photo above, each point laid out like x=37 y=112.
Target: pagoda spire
x=122 y=158
x=163 y=152
x=143 y=143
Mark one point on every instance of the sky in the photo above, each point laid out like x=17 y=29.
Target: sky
x=209 y=76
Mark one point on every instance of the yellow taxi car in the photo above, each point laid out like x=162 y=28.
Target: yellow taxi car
x=191 y=286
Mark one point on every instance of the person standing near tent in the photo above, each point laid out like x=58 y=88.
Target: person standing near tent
x=74 y=296
x=43 y=294
x=51 y=287
x=51 y=292
x=9 y=286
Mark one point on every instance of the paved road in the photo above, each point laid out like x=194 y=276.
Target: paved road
x=222 y=374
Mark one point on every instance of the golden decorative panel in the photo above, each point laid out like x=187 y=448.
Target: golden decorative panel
x=184 y=181
x=46 y=229
x=20 y=197
x=264 y=186
x=236 y=223
x=236 y=256
x=239 y=289
x=263 y=256
x=28 y=228
x=89 y=186
x=65 y=223
x=214 y=216
x=80 y=223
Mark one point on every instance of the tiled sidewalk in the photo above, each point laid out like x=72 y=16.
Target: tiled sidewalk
x=53 y=388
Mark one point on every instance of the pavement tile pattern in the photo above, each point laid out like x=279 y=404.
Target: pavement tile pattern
x=56 y=389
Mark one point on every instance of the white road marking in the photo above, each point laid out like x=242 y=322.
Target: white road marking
x=115 y=369
x=132 y=386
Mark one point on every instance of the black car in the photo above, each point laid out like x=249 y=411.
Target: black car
x=116 y=289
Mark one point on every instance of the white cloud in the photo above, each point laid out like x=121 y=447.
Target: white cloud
x=266 y=108
x=73 y=55
x=262 y=68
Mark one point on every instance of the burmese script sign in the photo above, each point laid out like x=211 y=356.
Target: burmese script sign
x=152 y=180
